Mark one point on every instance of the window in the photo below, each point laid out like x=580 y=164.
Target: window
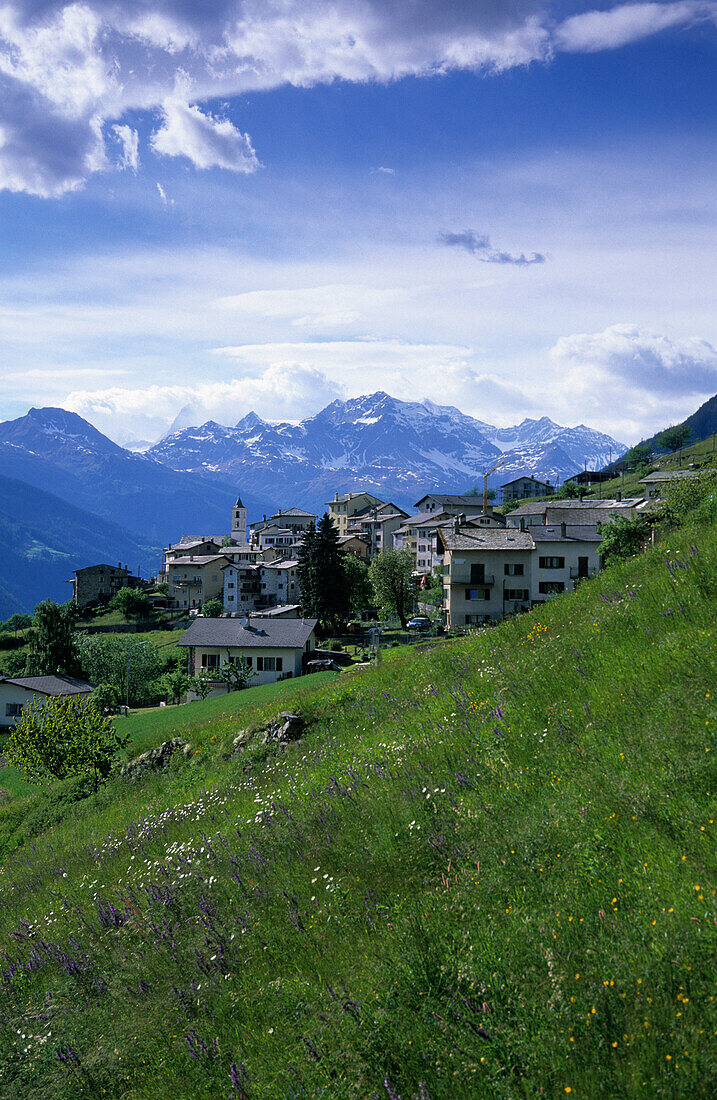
x=516 y=594
x=549 y=588
x=477 y=573
x=210 y=660
x=552 y=563
x=13 y=710
x=477 y=593
x=230 y=584
x=269 y=664
x=514 y=570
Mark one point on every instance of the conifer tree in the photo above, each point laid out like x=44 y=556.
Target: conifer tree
x=324 y=592
x=52 y=646
x=306 y=572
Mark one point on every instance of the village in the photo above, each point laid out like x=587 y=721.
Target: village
x=241 y=591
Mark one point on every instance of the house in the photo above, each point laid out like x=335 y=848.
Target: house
x=343 y=508
x=241 y=587
x=195 y=578
x=491 y=573
x=451 y=505
x=294 y=520
x=656 y=483
x=377 y=526
x=281 y=611
x=586 y=478
x=98 y=583
x=418 y=535
x=547 y=512
x=355 y=545
x=274 y=648
x=279 y=583
x=522 y=487
x=17 y=691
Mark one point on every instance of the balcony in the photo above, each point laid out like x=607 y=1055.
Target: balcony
x=463 y=575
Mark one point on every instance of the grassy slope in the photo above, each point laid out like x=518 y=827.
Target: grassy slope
x=487 y=871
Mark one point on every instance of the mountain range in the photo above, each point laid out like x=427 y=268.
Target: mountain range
x=397 y=449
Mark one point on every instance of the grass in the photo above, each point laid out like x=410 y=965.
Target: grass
x=487 y=870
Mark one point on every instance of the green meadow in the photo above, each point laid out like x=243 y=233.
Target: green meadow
x=488 y=869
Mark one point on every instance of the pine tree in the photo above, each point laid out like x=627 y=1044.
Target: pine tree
x=332 y=594
x=306 y=572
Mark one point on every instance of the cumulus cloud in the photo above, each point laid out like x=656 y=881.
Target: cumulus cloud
x=592 y=31
x=644 y=360
x=129 y=140
x=69 y=72
x=478 y=244
x=208 y=141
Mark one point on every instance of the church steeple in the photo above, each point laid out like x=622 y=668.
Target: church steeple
x=239 y=522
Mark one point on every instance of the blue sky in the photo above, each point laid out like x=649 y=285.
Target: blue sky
x=238 y=204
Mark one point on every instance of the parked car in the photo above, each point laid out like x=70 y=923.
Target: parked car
x=420 y=622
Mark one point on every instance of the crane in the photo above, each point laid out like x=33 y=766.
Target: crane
x=486 y=475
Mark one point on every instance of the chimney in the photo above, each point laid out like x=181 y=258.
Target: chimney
x=522 y=523
x=563 y=530
x=456 y=525
x=336 y=496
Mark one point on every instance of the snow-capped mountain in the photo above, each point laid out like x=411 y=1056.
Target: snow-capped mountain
x=399 y=449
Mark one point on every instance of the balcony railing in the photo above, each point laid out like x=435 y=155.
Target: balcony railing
x=463 y=576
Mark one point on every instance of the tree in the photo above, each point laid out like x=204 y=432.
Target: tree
x=674 y=437
x=236 y=674
x=106 y=698
x=175 y=685
x=360 y=592
x=17 y=622
x=201 y=685
x=52 y=645
x=392 y=580
x=212 y=609
x=622 y=538
x=306 y=569
x=14 y=664
x=131 y=602
x=568 y=491
x=321 y=574
x=61 y=736
x=121 y=660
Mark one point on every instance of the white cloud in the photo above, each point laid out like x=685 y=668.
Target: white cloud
x=645 y=360
x=606 y=30
x=208 y=141
x=129 y=140
x=69 y=70
x=319 y=307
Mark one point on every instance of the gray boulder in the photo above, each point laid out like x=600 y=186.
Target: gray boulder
x=155 y=760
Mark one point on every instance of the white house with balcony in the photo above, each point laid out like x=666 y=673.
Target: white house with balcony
x=273 y=648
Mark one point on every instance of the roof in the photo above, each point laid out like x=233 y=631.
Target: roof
x=275 y=633
x=538 y=507
x=102 y=565
x=496 y=538
x=292 y=564
x=294 y=512
x=467 y=499
x=282 y=609
x=238 y=503
x=574 y=532
x=57 y=684
x=525 y=477
x=344 y=497
x=196 y=559
x=667 y=475
x=349 y=538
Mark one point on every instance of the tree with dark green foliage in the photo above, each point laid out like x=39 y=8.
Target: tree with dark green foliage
x=52 y=644
x=391 y=575
x=201 y=685
x=622 y=538
x=61 y=736
x=17 y=622
x=13 y=664
x=132 y=603
x=306 y=569
x=360 y=592
x=674 y=437
x=321 y=574
x=212 y=609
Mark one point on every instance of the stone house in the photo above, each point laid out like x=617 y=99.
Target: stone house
x=522 y=487
x=98 y=583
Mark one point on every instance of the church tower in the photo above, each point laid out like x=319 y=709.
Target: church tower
x=239 y=522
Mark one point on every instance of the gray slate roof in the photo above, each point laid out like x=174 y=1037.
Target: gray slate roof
x=660 y=476
x=50 y=685
x=577 y=532
x=274 y=633
x=466 y=500
x=489 y=538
